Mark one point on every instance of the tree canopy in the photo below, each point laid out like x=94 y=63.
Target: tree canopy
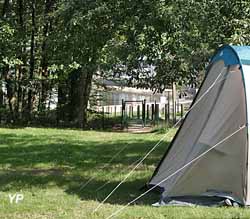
x=60 y=48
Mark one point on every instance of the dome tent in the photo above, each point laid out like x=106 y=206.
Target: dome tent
x=221 y=107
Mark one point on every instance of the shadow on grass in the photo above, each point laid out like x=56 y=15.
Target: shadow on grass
x=31 y=161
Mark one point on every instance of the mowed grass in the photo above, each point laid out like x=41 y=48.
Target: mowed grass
x=49 y=166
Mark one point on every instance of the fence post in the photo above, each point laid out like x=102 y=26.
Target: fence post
x=175 y=107
x=144 y=112
x=152 y=112
x=166 y=115
x=138 y=111
x=103 y=118
x=182 y=110
x=178 y=106
x=168 y=107
x=147 y=112
x=174 y=100
x=123 y=112
x=157 y=111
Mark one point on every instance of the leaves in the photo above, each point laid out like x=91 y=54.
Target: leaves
x=142 y=43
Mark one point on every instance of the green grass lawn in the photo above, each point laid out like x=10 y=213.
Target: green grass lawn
x=48 y=166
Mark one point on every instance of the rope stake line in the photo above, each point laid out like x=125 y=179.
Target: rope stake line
x=106 y=165
x=177 y=171
x=157 y=144
x=102 y=186
x=128 y=175
x=93 y=177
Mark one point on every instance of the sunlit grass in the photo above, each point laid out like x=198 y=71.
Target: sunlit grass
x=48 y=166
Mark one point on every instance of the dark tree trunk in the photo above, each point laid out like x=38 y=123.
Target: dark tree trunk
x=19 y=92
x=62 y=102
x=1 y=96
x=73 y=95
x=6 y=8
x=85 y=93
x=79 y=97
x=50 y=98
x=10 y=93
x=44 y=62
x=21 y=56
x=32 y=60
x=4 y=15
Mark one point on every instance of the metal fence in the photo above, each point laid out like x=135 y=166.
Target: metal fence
x=142 y=112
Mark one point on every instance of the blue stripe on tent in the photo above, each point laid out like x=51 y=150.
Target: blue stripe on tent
x=232 y=55
x=226 y=54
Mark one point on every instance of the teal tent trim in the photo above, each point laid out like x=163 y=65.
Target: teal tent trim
x=243 y=54
x=233 y=55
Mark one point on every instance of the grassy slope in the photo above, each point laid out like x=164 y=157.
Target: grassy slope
x=48 y=166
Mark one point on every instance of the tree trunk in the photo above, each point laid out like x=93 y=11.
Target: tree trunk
x=4 y=14
x=84 y=93
x=62 y=102
x=6 y=8
x=79 y=97
x=32 y=60
x=10 y=94
x=44 y=61
x=74 y=80
x=174 y=101
x=1 y=97
x=21 y=56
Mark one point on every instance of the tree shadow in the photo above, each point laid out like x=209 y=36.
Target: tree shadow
x=29 y=161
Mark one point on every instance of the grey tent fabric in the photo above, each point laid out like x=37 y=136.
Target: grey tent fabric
x=223 y=110
x=193 y=201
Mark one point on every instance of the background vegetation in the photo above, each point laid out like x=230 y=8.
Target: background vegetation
x=57 y=52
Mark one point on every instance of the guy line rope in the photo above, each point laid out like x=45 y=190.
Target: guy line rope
x=165 y=135
x=109 y=162
x=83 y=185
x=106 y=183
x=177 y=171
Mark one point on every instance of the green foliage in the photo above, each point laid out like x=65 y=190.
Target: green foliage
x=6 y=38
x=177 y=38
x=66 y=47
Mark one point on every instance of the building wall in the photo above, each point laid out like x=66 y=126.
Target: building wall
x=115 y=96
